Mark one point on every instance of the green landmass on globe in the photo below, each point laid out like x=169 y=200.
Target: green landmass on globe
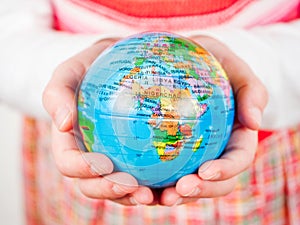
x=158 y=104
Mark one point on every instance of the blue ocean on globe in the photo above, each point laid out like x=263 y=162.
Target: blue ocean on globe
x=158 y=105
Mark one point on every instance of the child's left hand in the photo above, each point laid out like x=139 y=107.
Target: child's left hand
x=214 y=178
x=217 y=177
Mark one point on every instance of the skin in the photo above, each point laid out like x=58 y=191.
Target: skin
x=94 y=171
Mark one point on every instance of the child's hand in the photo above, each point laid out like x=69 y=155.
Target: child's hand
x=59 y=101
x=217 y=177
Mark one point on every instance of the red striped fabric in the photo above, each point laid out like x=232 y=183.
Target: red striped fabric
x=166 y=8
x=267 y=193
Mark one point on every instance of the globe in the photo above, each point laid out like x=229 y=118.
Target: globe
x=158 y=105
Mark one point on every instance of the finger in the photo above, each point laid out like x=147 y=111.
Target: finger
x=238 y=156
x=122 y=195
x=59 y=95
x=250 y=93
x=170 y=197
x=73 y=162
x=216 y=177
x=191 y=187
x=113 y=186
x=251 y=96
x=142 y=196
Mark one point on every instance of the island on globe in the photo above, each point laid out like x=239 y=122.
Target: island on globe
x=158 y=105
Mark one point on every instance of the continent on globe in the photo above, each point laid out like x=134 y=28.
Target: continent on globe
x=158 y=105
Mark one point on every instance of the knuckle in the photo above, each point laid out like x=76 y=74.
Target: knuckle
x=71 y=68
x=49 y=95
x=94 y=188
x=60 y=68
x=265 y=95
x=261 y=92
x=230 y=187
x=84 y=189
x=64 y=166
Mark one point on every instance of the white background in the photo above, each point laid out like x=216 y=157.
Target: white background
x=11 y=175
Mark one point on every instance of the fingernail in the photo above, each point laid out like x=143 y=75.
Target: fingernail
x=118 y=190
x=97 y=170
x=133 y=201
x=210 y=176
x=256 y=116
x=194 y=192
x=179 y=201
x=97 y=163
x=62 y=116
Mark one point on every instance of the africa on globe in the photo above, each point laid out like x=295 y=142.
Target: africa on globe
x=158 y=105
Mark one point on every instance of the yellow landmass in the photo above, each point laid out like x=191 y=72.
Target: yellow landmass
x=136 y=88
x=160 y=147
x=88 y=146
x=183 y=65
x=166 y=105
x=197 y=144
x=184 y=93
x=201 y=51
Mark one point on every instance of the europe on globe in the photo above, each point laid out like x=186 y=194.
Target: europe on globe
x=158 y=105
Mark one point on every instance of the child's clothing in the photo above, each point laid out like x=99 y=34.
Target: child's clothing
x=267 y=193
x=252 y=29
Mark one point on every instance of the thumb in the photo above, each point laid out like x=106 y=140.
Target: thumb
x=59 y=97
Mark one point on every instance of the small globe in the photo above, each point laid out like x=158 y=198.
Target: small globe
x=158 y=105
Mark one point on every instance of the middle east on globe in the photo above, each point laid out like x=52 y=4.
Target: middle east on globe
x=158 y=105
